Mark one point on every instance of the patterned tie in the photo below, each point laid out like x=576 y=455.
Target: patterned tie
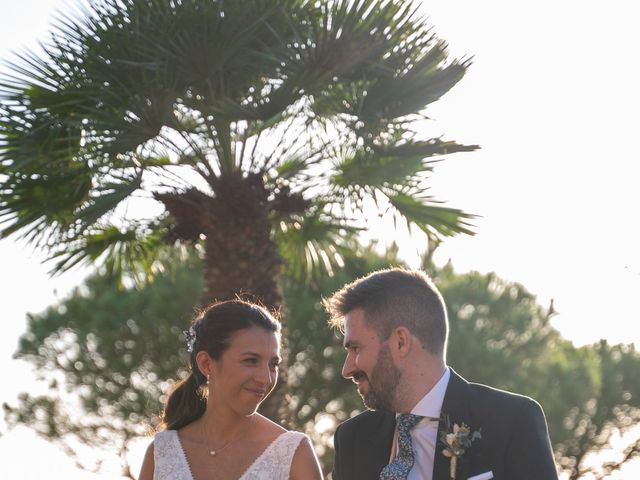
x=399 y=468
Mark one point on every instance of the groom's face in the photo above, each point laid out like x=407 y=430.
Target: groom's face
x=369 y=363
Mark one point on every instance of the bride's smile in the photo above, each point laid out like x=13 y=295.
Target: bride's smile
x=246 y=372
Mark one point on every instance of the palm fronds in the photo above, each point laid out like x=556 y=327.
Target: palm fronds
x=302 y=103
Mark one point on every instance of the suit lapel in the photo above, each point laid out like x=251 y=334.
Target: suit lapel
x=457 y=407
x=373 y=445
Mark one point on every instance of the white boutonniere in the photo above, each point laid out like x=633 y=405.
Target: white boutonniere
x=456 y=439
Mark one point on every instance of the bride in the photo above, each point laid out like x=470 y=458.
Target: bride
x=212 y=430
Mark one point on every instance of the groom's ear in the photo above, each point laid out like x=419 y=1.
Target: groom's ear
x=401 y=341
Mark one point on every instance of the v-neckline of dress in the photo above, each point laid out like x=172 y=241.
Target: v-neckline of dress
x=248 y=469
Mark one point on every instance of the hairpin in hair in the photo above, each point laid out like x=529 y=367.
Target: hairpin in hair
x=190 y=335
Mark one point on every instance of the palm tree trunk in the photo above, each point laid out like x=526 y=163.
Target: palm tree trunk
x=241 y=259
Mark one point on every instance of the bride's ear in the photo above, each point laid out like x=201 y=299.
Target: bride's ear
x=204 y=363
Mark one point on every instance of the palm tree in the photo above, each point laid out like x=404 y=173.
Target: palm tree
x=262 y=127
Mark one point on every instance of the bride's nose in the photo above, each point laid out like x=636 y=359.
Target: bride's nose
x=265 y=374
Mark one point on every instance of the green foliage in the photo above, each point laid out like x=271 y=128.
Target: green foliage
x=107 y=355
x=499 y=323
x=609 y=406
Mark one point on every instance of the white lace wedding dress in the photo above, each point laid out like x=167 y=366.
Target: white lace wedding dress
x=273 y=464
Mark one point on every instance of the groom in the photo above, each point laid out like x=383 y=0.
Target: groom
x=395 y=332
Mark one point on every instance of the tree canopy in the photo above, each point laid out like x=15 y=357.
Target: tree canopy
x=118 y=352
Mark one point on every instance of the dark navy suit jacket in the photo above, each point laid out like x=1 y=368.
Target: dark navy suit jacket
x=514 y=445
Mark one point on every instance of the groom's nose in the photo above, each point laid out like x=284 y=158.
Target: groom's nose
x=349 y=367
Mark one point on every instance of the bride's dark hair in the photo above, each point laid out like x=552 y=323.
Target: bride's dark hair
x=211 y=331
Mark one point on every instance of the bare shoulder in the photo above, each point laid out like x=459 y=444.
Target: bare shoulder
x=305 y=465
x=148 y=465
x=268 y=427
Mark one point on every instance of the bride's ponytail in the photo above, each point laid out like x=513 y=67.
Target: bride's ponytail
x=185 y=404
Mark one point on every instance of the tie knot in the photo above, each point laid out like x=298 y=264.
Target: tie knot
x=406 y=421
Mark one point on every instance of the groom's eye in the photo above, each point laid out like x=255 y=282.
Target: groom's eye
x=352 y=347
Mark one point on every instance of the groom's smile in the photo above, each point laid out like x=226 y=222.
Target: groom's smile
x=359 y=378
x=369 y=363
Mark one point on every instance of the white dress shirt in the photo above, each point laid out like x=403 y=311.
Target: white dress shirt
x=424 y=436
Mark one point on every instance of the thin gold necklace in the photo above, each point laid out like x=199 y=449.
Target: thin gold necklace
x=216 y=451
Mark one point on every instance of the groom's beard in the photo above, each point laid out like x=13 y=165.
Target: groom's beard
x=383 y=382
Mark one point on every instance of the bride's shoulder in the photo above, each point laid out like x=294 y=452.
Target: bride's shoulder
x=273 y=431
x=269 y=426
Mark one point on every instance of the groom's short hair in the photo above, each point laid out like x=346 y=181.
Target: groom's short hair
x=393 y=298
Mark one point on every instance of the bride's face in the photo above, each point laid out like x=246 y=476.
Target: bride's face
x=247 y=371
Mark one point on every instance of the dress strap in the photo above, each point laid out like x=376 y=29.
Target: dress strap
x=169 y=457
x=275 y=462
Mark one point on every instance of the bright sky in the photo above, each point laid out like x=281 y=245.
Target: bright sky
x=552 y=98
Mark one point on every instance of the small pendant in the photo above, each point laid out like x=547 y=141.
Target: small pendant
x=212 y=453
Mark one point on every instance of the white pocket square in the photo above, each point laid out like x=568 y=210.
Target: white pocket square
x=483 y=476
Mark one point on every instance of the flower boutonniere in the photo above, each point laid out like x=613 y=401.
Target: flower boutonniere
x=456 y=439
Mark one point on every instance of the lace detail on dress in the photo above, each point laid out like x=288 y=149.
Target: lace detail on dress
x=169 y=457
x=274 y=463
